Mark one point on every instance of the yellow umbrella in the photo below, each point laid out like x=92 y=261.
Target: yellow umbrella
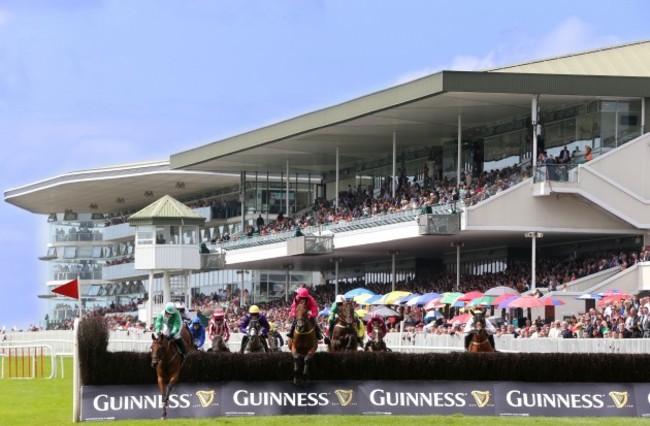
x=390 y=298
x=361 y=312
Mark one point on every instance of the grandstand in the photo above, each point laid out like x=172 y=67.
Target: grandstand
x=454 y=174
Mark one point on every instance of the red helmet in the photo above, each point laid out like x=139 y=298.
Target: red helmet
x=375 y=316
x=302 y=293
x=218 y=315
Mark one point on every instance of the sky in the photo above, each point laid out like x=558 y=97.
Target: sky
x=92 y=83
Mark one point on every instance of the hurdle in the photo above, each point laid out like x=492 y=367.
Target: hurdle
x=26 y=361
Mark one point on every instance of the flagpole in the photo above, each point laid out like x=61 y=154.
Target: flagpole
x=80 y=298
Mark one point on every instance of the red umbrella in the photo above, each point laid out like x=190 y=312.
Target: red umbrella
x=525 y=302
x=467 y=297
x=552 y=301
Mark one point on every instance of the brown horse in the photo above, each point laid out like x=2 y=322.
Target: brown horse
x=344 y=336
x=376 y=343
x=303 y=345
x=166 y=358
x=479 y=341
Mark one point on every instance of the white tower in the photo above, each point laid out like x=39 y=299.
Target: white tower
x=167 y=239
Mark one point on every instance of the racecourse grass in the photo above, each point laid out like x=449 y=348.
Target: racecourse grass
x=49 y=402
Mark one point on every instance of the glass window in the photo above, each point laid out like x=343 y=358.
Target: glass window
x=69 y=252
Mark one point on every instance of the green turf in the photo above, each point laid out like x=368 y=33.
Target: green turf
x=49 y=402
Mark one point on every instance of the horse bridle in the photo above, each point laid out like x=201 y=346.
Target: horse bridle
x=154 y=358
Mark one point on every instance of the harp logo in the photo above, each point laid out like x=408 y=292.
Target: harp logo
x=482 y=398
x=619 y=398
x=344 y=396
x=205 y=398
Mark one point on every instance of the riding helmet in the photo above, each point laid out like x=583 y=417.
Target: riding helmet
x=340 y=298
x=170 y=309
x=196 y=320
x=218 y=314
x=302 y=292
x=254 y=310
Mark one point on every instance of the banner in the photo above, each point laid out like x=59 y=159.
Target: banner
x=418 y=398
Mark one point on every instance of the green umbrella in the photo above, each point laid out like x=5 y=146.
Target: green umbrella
x=450 y=298
x=485 y=300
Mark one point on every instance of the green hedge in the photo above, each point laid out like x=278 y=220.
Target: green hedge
x=100 y=367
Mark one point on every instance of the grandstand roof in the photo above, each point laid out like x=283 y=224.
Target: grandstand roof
x=421 y=113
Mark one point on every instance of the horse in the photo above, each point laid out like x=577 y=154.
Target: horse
x=479 y=341
x=274 y=345
x=376 y=343
x=344 y=336
x=254 y=338
x=303 y=345
x=166 y=358
x=219 y=344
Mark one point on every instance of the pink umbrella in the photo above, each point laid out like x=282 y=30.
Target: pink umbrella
x=434 y=304
x=462 y=318
x=552 y=301
x=467 y=297
x=501 y=299
x=616 y=294
x=525 y=302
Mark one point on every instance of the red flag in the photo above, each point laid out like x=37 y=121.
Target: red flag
x=70 y=289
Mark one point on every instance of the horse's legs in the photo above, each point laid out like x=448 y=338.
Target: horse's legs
x=305 y=370
x=297 y=359
x=165 y=394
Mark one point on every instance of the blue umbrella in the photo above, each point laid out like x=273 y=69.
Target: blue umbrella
x=373 y=300
x=357 y=292
x=324 y=312
x=424 y=299
x=405 y=299
x=433 y=314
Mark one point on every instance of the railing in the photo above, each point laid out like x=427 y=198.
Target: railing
x=79 y=236
x=130 y=341
x=60 y=276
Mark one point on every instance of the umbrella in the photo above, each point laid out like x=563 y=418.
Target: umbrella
x=390 y=298
x=361 y=312
x=470 y=296
x=372 y=300
x=434 y=304
x=552 y=301
x=404 y=300
x=589 y=296
x=358 y=292
x=450 y=298
x=361 y=298
x=324 y=312
x=433 y=315
x=383 y=311
x=482 y=301
x=462 y=318
x=501 y=299
x=498 y=291
x=614 y=293
x=525 y=302
x=423 y=299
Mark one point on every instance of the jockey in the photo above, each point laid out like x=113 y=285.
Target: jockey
x=218 y=326
x=168 y=323
x=469 y=327
x=375 y=324
x=303 y=294
x=334 y=310
x=198 y=333
x=185 y=315
x=274 y=334
x=254 y=313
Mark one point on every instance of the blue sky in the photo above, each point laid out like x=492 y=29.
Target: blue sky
x=90 y=83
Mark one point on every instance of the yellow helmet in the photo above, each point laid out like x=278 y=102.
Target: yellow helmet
x=254 y=310
x=272 y=326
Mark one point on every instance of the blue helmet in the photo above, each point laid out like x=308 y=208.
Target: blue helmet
x=196 y=320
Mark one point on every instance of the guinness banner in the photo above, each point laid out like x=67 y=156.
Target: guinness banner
x=370 y=397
